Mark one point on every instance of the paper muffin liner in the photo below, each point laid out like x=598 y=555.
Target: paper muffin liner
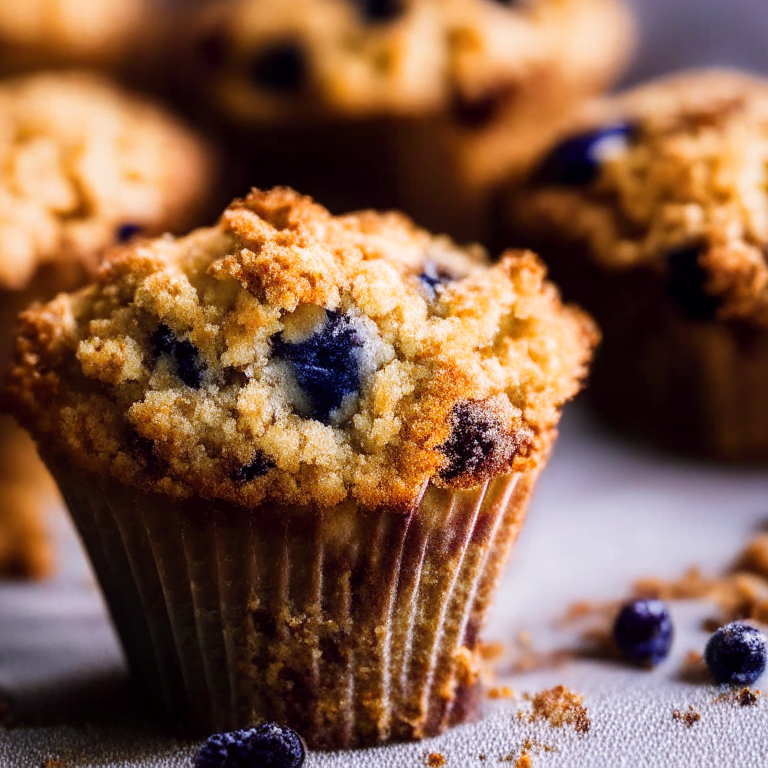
x=690 y=386
x=353 y=628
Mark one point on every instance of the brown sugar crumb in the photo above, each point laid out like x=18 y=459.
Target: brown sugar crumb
x=492 y=651
x=524 y=761
x=52 y=762
x=745 y=697
x=532 y=745
x=482 y=757
x=501 y=692
x=559 y=707
x=690 y=717
x=435 y=759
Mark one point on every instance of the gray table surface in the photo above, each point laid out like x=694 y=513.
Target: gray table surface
x=605 y=513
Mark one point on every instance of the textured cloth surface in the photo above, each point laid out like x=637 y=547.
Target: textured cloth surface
x=605 y=514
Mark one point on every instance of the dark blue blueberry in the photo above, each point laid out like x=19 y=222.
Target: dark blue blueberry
x=282 y=67
x=643 y=632
x=736 y=654
x=189 y=368
x=268 y=746
x=258 y=467
x=686 y=284
x=432 y=278
x=325 y=365
x=126 y=232
x=479 y=445
x=380 y=10
x=576 y=162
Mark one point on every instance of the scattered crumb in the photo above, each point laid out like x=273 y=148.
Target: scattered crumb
x=491 y=651
x=533 y=745
x=52 y=762
x=559 y=707
x=508 y=758
x=745 y=697
x=481 y=757
x=501 y=692
x=524 y=761
x=435 y=759
x=690 y=718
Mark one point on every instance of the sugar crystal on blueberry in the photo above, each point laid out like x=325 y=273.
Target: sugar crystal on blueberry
x=268 y=746
x=577 y=161
x=184 y=354
x=326 y=365
x=736 y=654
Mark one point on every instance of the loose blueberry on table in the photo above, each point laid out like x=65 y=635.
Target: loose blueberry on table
x=268 y=746
x=643 y=632
x=686 y=282
x=184 y=354
x=577 y=161
x=736 y=654
x=325 y=365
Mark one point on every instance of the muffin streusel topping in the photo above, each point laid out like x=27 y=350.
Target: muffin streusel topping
x=293 y=357
x=672 y=177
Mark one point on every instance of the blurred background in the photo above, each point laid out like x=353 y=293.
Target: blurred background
x=684 y=33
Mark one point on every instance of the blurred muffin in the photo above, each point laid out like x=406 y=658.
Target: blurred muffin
x=654 y=213
x=298 y=449
x=404 y=102
x=82 y=165
x=36 y=34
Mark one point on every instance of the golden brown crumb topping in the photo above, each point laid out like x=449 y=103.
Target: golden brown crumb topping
x=79 y=160
x=681 y=187
x=289 y=356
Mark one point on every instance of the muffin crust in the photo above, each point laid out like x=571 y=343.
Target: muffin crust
x=292 y=357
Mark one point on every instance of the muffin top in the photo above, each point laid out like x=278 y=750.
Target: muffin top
x=284 y=59
x=83 y=164
x=671 y=177
x=39 y=33
x=292 y=357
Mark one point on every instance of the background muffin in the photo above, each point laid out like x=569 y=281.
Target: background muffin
x=414 y=103
x=318 y=435
x=82 y=166
x=654 y=213
x=36 y=34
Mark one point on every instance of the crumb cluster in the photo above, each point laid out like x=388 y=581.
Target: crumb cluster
x=219 y=363
x=559 y=707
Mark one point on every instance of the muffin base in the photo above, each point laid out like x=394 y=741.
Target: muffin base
x=353 y=628
x=687 y=386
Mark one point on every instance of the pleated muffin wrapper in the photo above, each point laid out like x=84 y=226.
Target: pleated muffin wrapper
x=354 y=628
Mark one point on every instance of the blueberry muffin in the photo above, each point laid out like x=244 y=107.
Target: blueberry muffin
x=82 y=165
x=654 y=213
x=36 y=34
x=298 y=449
x=414 y=102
